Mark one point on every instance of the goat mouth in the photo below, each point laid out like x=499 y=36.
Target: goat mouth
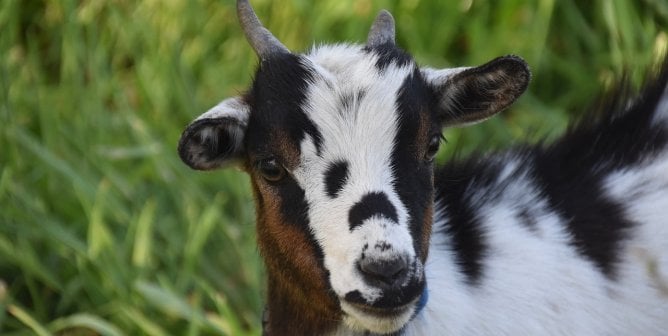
x=392 y=304
x=390 y=299
x=384 y=313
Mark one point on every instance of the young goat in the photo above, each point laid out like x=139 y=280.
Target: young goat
x=565 y=239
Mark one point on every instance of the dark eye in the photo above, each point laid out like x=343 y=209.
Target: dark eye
x=271 y=170
x=432 y=148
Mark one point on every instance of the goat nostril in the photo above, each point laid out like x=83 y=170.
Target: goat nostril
x=383 y=272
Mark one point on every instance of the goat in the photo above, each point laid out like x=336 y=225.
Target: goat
x=362 y=235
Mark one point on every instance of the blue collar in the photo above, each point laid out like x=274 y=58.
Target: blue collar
x=422 y=303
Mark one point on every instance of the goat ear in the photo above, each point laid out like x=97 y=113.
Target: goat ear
x=470 y=95
x=215 y=139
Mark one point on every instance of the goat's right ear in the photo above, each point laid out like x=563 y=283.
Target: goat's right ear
x=470 y=95
x=215 y=139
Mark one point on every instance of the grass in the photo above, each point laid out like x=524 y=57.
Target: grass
x=103 y=231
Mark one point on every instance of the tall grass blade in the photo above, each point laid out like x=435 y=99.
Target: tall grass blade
x=28 y=320
x=85 y=321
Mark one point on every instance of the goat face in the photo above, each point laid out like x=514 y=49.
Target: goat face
x=329 y=145
x=339 y=145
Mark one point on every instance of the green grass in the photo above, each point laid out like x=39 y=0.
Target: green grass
x=103 y=231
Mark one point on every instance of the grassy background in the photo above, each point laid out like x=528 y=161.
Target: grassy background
x=103 y=231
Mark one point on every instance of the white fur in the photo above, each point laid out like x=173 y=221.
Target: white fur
x=363 y=136
x=439 y=76
x=534 y=283
x=234 y=108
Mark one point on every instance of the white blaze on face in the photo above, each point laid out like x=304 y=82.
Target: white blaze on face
x=361 y=132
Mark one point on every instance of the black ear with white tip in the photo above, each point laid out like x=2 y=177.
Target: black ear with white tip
x=215 y=139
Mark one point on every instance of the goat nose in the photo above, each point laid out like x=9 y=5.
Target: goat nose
x=384 y=273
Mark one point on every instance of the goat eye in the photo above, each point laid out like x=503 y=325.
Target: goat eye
x=432 y=148
x=271 y=170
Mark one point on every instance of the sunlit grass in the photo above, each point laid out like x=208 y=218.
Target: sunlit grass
x=104 y=231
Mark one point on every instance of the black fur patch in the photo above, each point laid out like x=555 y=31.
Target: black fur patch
x=413 y=175
x=388 y=53
x=454 y=183
x=596 y=223
x=371 y=204
x=571 y=170
x=293 y=203
x=336 y=177
x=276 y=99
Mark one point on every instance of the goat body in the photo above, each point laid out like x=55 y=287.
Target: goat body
x=361 y=235
x=565 y=239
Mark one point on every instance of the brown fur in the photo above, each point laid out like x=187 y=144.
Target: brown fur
x=426 y=230
x=298 y=291
x=423 y=133
x=286 y=150
x=299 y=298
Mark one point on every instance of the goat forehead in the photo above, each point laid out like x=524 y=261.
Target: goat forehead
x=353 y=67
x=343 y=87
x=341 y=105
x=353 y=97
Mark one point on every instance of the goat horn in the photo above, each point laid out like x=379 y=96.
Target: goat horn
x=262 y=41
x=382 y=30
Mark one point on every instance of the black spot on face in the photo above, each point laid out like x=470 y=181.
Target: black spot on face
x=335 y=178
x=372 y=204
x=295 y=211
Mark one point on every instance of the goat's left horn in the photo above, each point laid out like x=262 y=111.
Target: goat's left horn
x=382 y=30
x=261 y=39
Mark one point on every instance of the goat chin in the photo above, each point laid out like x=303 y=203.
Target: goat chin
x=359 y=321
